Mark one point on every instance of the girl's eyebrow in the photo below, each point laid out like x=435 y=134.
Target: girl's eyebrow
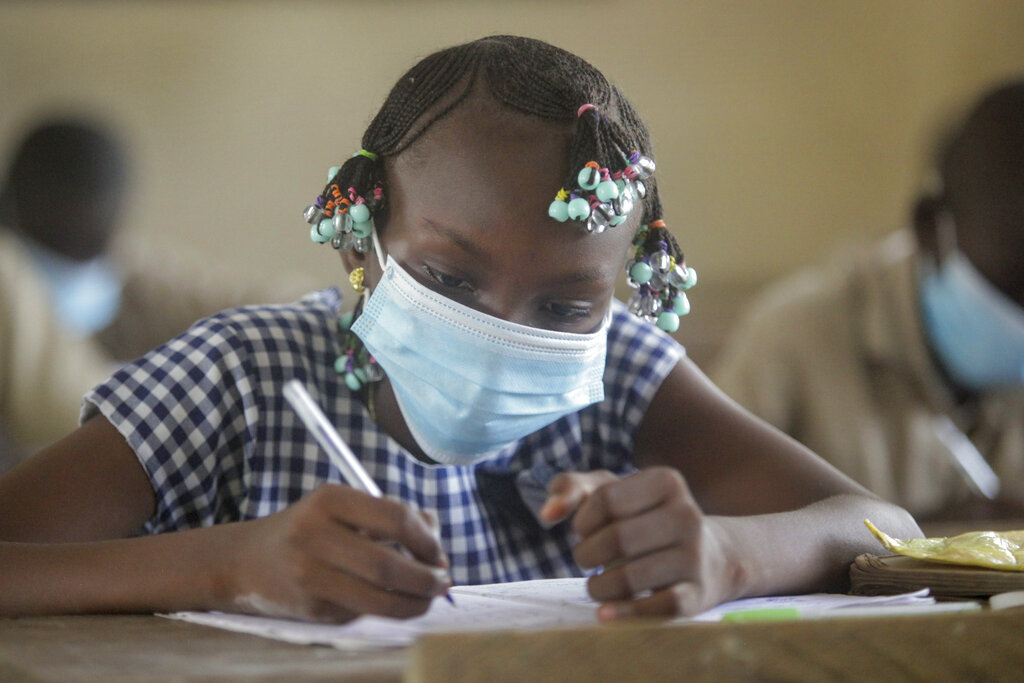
x=459 y=240
x=583 y=275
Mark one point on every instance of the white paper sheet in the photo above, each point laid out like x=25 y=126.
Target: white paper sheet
x=530 y=605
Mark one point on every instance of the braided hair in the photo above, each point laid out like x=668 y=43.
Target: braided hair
x=525 y=75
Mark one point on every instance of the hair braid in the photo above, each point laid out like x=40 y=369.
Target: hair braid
x=525 y=75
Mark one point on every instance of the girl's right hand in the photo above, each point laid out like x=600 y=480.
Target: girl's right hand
x=335 y=555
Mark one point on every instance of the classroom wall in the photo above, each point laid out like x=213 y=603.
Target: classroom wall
x=784 y=129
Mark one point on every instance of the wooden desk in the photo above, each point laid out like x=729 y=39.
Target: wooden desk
x=149 y=648
x=966 y=646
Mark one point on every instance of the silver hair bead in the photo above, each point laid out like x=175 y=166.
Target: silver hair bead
x=337 y=241
x=677 y=277
x=361 y=244
x=661 y=261
x=623 y=204
x=629 y=278
x=347 y=239
x=645 y=167
x=600 y=218
x=651 y=305
x=339 y=223
x=641 y=189
x=312 y=214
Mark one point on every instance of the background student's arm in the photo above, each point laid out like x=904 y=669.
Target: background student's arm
x=724 y=506
x=65 y=513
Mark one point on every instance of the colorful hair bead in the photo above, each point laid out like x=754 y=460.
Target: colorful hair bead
x=641 y=272
x=559 y=208
x=360 y=213
x=607 y=190
x=668 y=321
x=314 y=234
x=658 y=280
x=589 y=176
x=345 y=219
x=610 y=197
x=578 y=209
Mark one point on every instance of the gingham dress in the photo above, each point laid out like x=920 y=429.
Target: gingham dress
x=205 y=416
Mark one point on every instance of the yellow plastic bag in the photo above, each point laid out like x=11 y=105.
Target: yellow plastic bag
x=992 y=549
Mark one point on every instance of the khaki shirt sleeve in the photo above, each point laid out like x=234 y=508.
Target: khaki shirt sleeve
x=755 y=365
x=166 y=291
x=44 y=370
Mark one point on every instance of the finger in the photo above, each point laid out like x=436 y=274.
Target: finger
x=346 y=592
x=377 y=563
x=680 y=600
x=628 y=497
x=568 y=490
x=676 y=521
x=381 y=518
x=651 y=572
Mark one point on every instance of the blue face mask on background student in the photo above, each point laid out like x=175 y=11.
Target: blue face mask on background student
x=468 y=383
x=85 y=295
x=976 y=331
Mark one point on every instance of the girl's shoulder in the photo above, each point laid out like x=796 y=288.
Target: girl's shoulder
x=314 y=310
x=306 y=325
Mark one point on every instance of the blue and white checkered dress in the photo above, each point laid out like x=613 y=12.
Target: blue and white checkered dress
x=205 y=415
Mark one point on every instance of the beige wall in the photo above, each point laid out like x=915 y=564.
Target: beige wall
x=784 y=129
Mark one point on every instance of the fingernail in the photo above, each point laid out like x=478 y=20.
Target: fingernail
x=608 y=612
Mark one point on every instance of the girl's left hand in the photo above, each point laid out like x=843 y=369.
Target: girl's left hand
x=660 y=554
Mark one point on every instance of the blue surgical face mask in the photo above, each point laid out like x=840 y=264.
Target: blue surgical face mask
x=84 y=294
x=467 y=383
x=975 y=330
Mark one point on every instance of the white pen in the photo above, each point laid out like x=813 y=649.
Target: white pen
x=327 y=436
x=340 y=455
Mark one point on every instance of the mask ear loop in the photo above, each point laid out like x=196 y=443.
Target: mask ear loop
x=378 y=249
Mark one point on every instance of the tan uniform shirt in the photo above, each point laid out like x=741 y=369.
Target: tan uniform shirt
x=836 y=357
x=44 y=370
x=164 y=291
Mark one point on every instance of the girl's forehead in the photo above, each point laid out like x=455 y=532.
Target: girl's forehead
x=489 y=173
x=482 y=140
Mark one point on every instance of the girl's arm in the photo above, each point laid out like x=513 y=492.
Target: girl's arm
x=725 y=506
x=66 y=516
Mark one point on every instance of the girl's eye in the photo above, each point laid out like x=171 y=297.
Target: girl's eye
x=568 y=312
x=448 y=281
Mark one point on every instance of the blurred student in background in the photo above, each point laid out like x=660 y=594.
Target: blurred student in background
x=904 y=366
x=59 y=205
x=77 y=293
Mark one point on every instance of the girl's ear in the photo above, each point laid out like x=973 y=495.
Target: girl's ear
x=352 y=259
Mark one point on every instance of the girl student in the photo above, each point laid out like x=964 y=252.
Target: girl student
x=520 y=421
